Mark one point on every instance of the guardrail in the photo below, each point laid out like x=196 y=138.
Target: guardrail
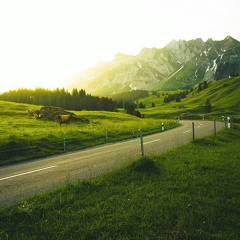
x=66 y=143
x=63 y=145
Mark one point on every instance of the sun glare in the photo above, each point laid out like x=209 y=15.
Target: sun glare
x=43 y=43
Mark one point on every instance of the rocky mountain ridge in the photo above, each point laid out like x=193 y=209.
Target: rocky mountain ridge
x=179 y=65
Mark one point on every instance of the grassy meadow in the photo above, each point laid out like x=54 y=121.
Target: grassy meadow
x=24 y=138
x=191 y=192
x=223 y=94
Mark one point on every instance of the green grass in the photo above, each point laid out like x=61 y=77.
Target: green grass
x=191 y=192
x=25 y=138
x=223 y=95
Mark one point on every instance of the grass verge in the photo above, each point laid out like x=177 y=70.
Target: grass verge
x=191 y=192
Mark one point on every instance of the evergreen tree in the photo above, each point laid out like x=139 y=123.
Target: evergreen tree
x=208 y=107
x=138 y=114
x=131 y=109
x=205 y=85
x=120 y=104
x=178 y=99
x=126 y=105
x=141 y=105
x=75 y=100
x=165 y=99
x=82 y=99
x=154 y=93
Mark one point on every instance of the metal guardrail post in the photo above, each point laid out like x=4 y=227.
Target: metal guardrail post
x=193 y=131
x=64 y=142
x=163 y=127
x=141 y=141
x=215 y=128
x=106 y=135
x=133 y=132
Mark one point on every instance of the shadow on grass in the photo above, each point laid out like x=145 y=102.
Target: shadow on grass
x=144 y=165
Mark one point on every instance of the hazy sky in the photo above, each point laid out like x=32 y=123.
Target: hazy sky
x=43 y=42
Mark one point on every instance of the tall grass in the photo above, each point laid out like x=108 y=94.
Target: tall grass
x=191 y=192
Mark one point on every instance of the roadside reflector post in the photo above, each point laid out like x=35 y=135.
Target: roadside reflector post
x=162 y=127
x=228 y=122
x=215 y=128
x=193 y=131
x=64 y=142
x=106 y=135
x=141 y=141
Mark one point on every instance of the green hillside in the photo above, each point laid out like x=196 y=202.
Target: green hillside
x=223 y=94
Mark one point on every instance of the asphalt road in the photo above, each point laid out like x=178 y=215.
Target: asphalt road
x=26 y=179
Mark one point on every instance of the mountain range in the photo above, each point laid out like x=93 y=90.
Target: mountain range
x=179 y=65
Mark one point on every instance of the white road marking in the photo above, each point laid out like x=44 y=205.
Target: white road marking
x=152 y=141
x=186 y=131
x=25 y=173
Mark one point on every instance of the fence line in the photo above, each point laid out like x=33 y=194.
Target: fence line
x=77 y=144
x=64 y=144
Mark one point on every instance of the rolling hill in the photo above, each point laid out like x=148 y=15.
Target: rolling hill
x=223 y=94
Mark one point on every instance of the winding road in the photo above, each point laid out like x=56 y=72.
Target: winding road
x=22 y=180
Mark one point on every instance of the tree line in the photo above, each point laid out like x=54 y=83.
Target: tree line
x=76 y=100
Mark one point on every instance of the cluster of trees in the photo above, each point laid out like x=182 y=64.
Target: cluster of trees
x=77 y=100
x=175 y=97
x=156 y=93
x=234 y=75
x=131 y=109
x=141 y=105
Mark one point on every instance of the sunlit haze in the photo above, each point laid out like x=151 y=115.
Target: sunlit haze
x=44 y=42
